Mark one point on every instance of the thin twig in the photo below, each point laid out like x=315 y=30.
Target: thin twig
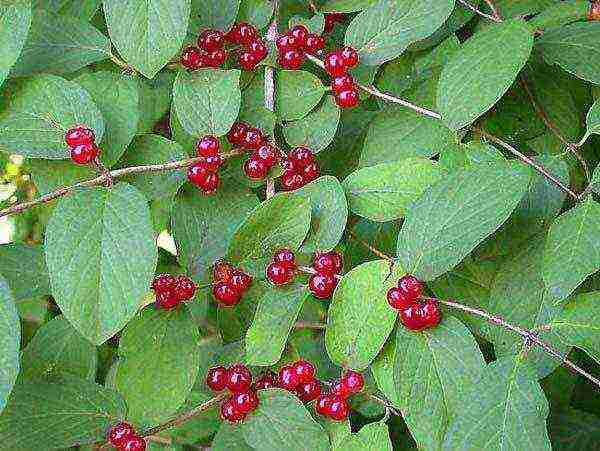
x=270 y=84
x=368 y=246
x=309 y=325
x=495 y=11
x=468 y=5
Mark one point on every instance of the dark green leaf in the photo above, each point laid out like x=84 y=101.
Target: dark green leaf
x=15 y=20
x=560 y=13
x=298 y=92
x=10 y=342
x=256 y=12
x=24 y=269
x=374 y=436
x=154 y=100
x=76 y=8
x=316 y=130
x=230 y=438
x=346 y=6
x=574 y=430
x=213 y=14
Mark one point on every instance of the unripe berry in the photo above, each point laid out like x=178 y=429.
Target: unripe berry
x=216 y=378
x=239 y=378
x=119 y=434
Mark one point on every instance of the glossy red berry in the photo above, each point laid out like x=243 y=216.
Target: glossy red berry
x=258 y=49
x=290 y=59
x=240 y=281
x=239 y=378
x=594 y=11
x=340 y=389
x=310 y=172
x=314 y=43
x=215 y=58
x=84 y=153
x=163 y=282
x=348 y=98
x=166 y=299
x=222 y=272
x=242 y=33
x=342 y=83
x=185 y=288
x=287 y=378
x=207 y=146
x=286 y=256
x=279 y=274
x=432 y=315
x=421 y=315
x=349 y=56
x=78 y=135
x=212 y=163
x=301 y=156
x=398 y=299
x=328 y=262
x=323 y=404
x=267 y=153
x=237 y=132
x=253 y=138
x=119 y=434
x=230 y=412
x=216 y=378
x=309 y=391
x=247 y=60
x=255 y=168
x=192 y=58
x=321 y=285
x=286 y=42
x=291 y=181
x=411 y=286
x=334 y=64
x=353 y=381
x=245 y=401
x=304 y=370
x=200 y=176
x=300 y=34
x=268 y=380
x=225 y=294
x=338 y=408
x=134 y=444
x=211 y=40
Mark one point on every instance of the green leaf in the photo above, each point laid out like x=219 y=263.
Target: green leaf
x=574 y=48
x=574 y=430
x=10 y=343
x=593 y=119
x=275 y=316
x=281 y=221
x=158 y=363
x=203 y=225
x=298 y=92
x=458 y=213
x=329 y=213
x=314 y=24
x=577 y=323
x=432 y=370
x=481 y=72
x=15 y=20
x=386 y=29
x=374 y=436
x=316 y=130
x=213 y=14
x=385 y=191
x=60 y=44
x=207 y=102
x=256 y=12
x=117 y=99
x=147 y=33
x=57 y=415
x=76 y=8
x=360 y=320
x=281 y=422
x=154 y=149
x=234 y=322
x=595 y=182
x=230 y=438
x=40 y=111
x=99 y=271
x=346 y=6
x=382 y=370
x=506 y=409
x=560 y=14
x=24 y=269
x=154 y=100
x=397 y=134
x=57 y=349
x=572 y=243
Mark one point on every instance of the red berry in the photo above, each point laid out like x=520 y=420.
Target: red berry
x=304 y=370
x=594 y=12
x=258 y=49
x=119 y=434
x=242 y=33
x=342 y=83
x=286 y=42
x=300 y=34
x=216 y=378
x=230 y=412
x=421 y=315
x=331 y=19
x=84 y=153
x=353 y=381
x=215 y=58
x=322 y=285
x=348 y=98
x=163 y=282
x=268 y=154
x=350 y=57
x=334 y=64
x=225 y=294
x=247 y=60
x=208 y=146
x=185 y=288
x=310 y=172
x=240 y=281
x=301 y=156
x=432 y=314
x=291 y=181
x=212 y=163
x=398 y=299
x=239 y=378
x=286 y=256
x=267 y=380
x=236 y=135
x=340 y=389
x=196 y=173
x=309 y=391
x=78 y=135
x=279 y=274
x=411 y=286
x=338 y=408
x=222 y=272
x=166 y=300
x=314 y=43
x=328 y=262
x=255 y=168
x=211 y=40
x=290 y=59
x=134 y=444
x=253 y=138
x=287 y=378
x=323 y=404
x=191 y=58
x=246 y=401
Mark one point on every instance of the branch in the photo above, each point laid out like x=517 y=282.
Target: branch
x=368 y=246
x=467 y=5
x=308 y=325
x=270 y=84
x=495 y=11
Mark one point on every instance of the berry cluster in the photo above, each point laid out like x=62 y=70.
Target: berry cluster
x=299 y=378
x=238 y=380
x=334 y=405
x=210 y=50
x=293 y=46
x=331 y=19
x=230 y=284
x=244 y=135
x=327 y=265
x=123 y=437
x=594 y=11
x=282 y=268
x=170 y=291
x=415 y=314
x=82 y=144
x=260 y=162
x=345 y=90
x=299 y=168
x=204 y=174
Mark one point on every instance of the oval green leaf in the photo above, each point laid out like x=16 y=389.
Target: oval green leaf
x=298 y=92
x=317 y=129
x=15 y=20
x=10 y=343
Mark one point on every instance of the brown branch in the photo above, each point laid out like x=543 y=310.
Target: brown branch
x=308 y=325
x=473 y=8
x=495 y=11
x=272 y=33
x=368 y=246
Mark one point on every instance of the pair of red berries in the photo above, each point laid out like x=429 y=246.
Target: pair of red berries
x=238 y=380
x=260 y=162
x=334 y=405
x=230 y=284
x=300 y=379
x=299 y=168
x=415 y=314
x=243 y=135
x=204 y=173
x=82 y=144
x=170 y=291
x=331 y=19
x=327 y=266
x=123 y=437
x=345 y=90
x=254 y=48
x=282 y=268
x=293 y=45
